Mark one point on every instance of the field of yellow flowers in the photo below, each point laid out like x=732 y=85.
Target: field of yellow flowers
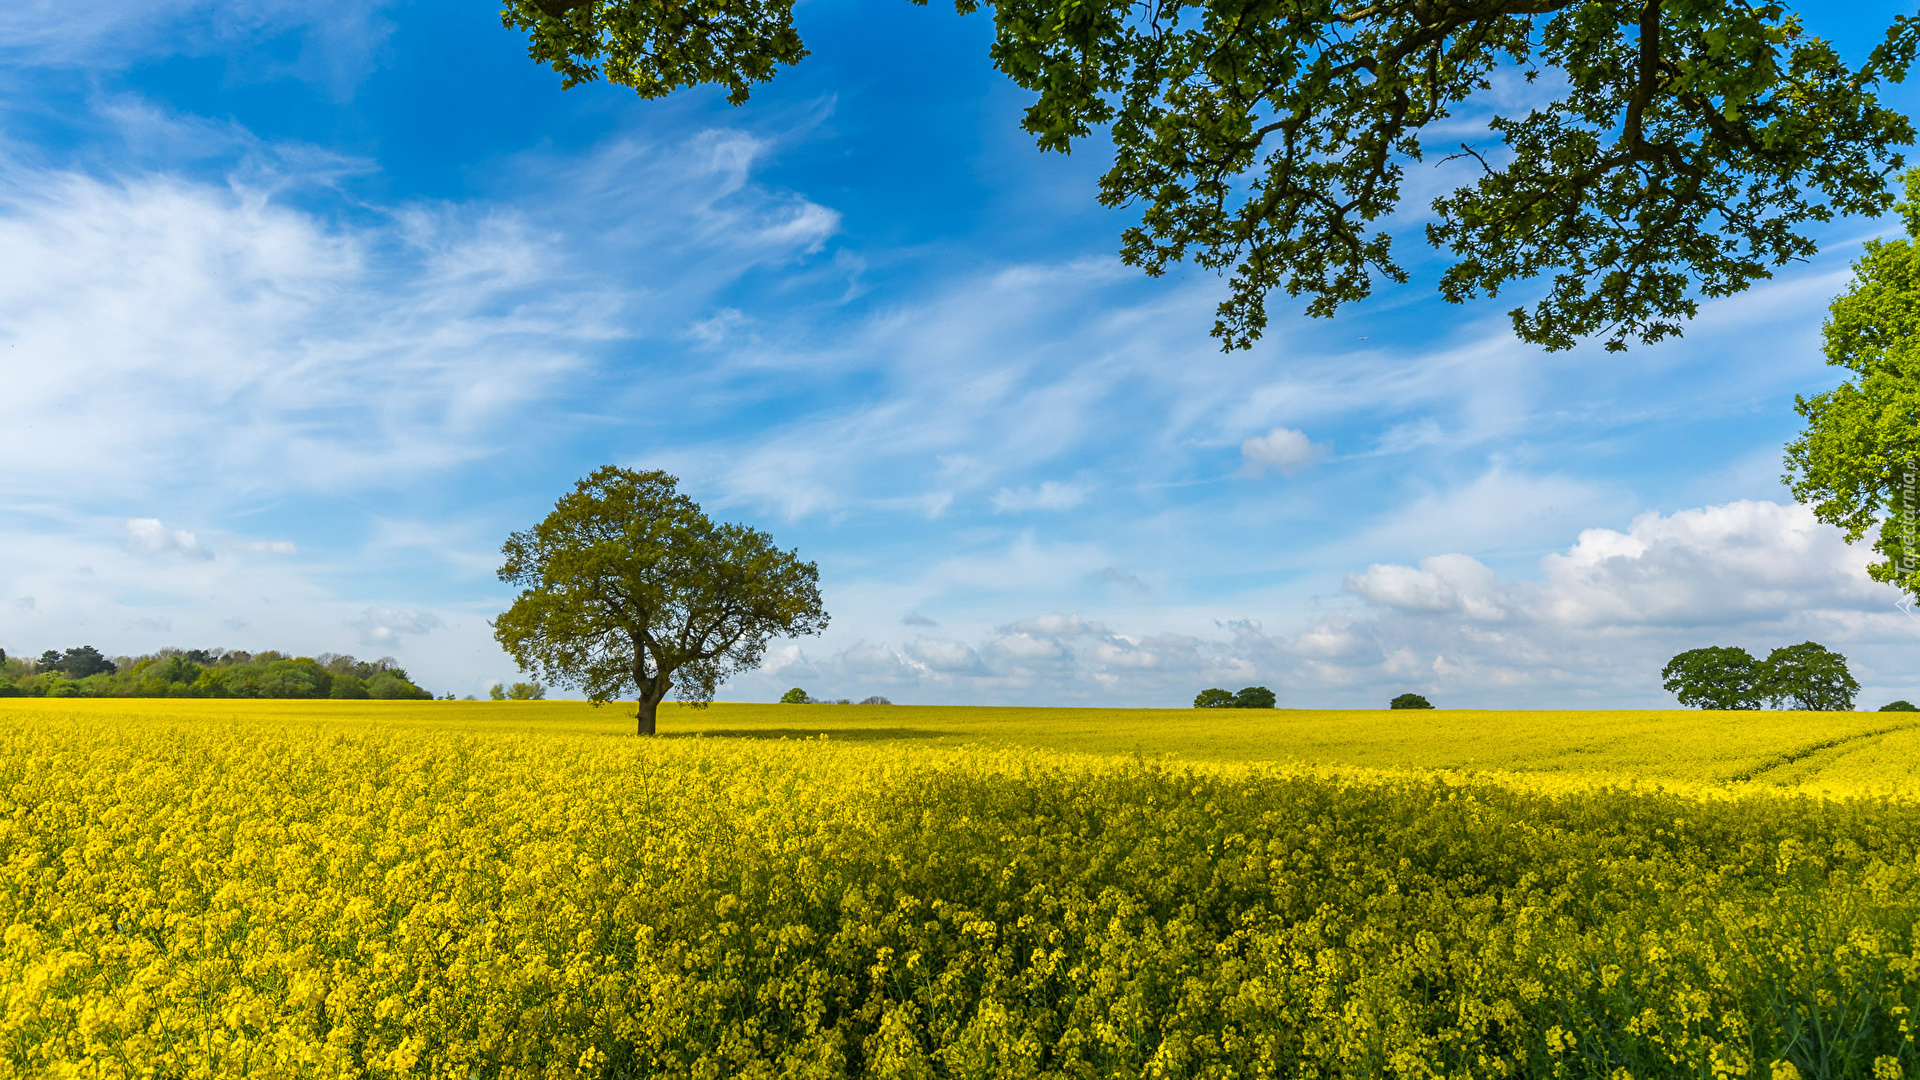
x=201 y=889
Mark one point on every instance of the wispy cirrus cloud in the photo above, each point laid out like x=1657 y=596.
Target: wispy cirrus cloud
x=333 y=46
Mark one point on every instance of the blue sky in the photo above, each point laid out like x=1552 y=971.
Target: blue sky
x=304 y=307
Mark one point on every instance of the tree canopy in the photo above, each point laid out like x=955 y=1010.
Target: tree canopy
x=1724 y=677
x=1858 y=461
x=1640 y=154
x=1808 y=676
x=628 y=587
x=1410 y=701
x=1255 y=697
x=1804 y=676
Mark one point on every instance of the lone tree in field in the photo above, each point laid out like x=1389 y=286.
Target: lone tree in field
x=1665 y=152
x=1808 y=676
x=628 y=588
x=1716 y=678
x=1410 y=701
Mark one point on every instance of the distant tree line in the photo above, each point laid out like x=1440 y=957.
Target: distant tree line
x=1251 y=697
x=205 y=673
x=798 y=696
x=1806 y=676
x=520 y=691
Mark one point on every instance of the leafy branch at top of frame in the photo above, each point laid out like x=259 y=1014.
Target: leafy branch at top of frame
x=1689 y=144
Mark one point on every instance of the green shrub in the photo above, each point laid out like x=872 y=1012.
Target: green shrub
x=1255 y=697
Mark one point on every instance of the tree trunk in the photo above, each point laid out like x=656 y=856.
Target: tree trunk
x=646 y=711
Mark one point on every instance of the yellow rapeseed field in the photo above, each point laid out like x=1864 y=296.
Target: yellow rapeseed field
x=383 y=889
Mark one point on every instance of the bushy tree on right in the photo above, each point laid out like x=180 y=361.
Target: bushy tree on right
x=1806 y=676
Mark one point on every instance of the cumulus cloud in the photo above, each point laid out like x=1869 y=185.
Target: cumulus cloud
x=148 y=536
x=1284 y=450
x=1594 y=627
x=942 y=655
x=1737 y=564
x=1717 y=565
x=1441 y=583
x=1607 y=611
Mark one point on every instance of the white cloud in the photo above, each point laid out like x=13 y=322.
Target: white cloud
x=266 y=343
x=1057 y=625
x=1443 y=583
x=149 y=537
x=384 y=627
x=1284 y=450
x=1050 y=495
x=351 y=349
x=1609 y=610
x=942 y=655
x=338 y=41
x=1594 y=630
x=1742 y=563
x=1739 y=563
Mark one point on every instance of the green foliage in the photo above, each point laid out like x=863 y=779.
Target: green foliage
x=795 y=696
x=1858 y=461
x=393 y=686
x=1255 y=697
x=1808 y=676
x=1410 y=701
x=1715 y=678
x=77 y=663
x=627 y=586
x=1252 y=697
x=520 y=691
x=348 y=688
x=205 y=673
x=1804 y=676
x=1903 y=705
x=1688 y=149
x=722 y=908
